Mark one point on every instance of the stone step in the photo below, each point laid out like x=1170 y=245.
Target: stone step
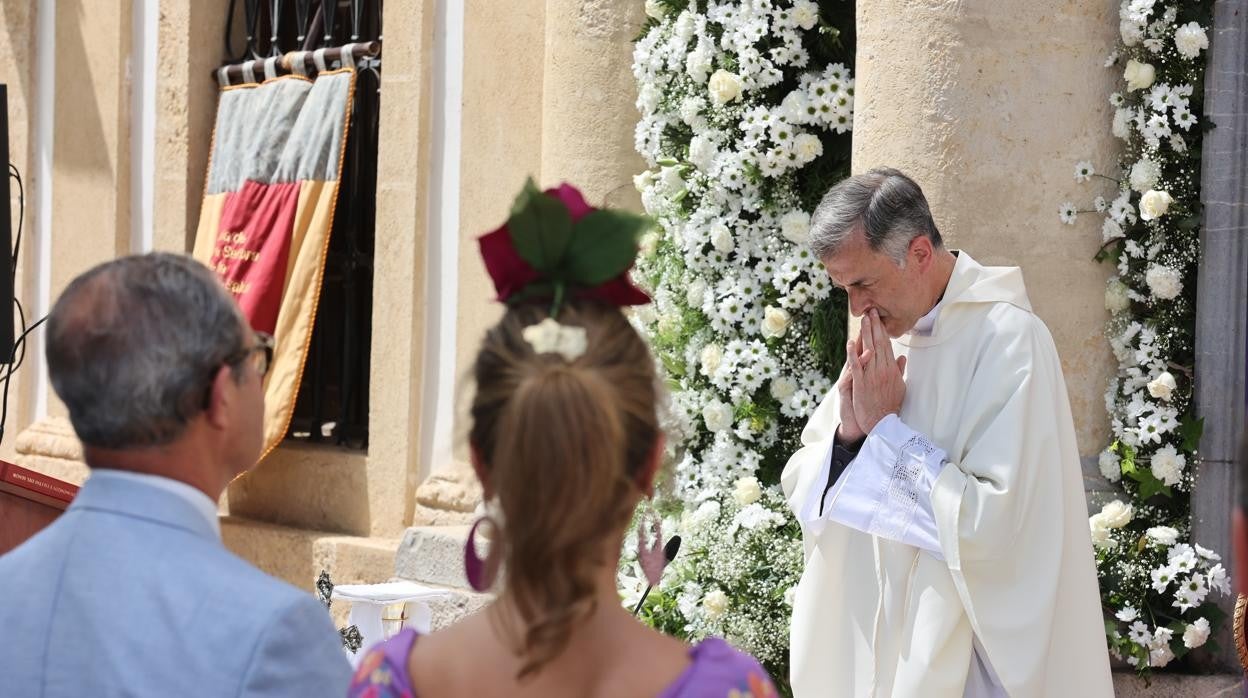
x=1128 y=685
x=434 y=556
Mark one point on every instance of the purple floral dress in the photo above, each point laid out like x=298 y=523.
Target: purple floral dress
x=717 y=671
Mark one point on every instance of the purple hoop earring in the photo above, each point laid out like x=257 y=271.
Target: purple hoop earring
x=481 y=573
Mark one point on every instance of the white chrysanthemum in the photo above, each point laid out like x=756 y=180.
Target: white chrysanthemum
x=795 y=226
x=1100 y=204
x=1132 y=32
x=1122 y=124
x=1163 y=282
x=1110 y=466
x=1163 y=535
x=1116 y=298
x=1083 y=171
x=1144 y=175
x=1067 y=213
x=1111 y=230
x=1190 y=39
x=1167 y=465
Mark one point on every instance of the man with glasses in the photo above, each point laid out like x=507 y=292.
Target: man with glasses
x=131 y=591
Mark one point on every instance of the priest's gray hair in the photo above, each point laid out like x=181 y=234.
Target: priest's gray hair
x=134 y=344
x=886 y=205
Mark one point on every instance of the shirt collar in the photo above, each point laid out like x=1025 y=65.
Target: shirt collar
x=201 y=502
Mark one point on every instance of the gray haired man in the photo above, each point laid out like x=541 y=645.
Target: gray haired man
x=938 y=487
x=131 y=591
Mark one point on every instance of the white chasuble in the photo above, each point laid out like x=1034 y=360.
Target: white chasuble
x=975 y=557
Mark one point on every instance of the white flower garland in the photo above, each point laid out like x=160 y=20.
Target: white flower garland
x=1155 y=586
x=732 y=111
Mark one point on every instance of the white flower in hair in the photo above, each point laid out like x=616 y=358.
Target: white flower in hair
x=550 y=337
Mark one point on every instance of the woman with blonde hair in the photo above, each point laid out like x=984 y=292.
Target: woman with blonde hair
x=566 y=441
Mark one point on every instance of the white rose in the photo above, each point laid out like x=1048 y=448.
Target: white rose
x=724 y=87
x=696 y=293
x=1190 y=39
x=1117 y=514
x=1110 y=466
x=656 y=9
x=643 y=180
x=1162 y=387
x=1131 y=32
x=1138 y=75
x=712 y=356
x=795 y=227
x=805 y=14
x=715 y=604
x=675 y=184
x=1163 y=282
x=1116 y=299
x=782 y=388
x=721 y=238
x=1167 y=465
x=1154 y=204
x=1122 y=123
x=1144 y=175
x=747 y=491
x=775 y=322
x=1163 y=535
x=1100 y=532
x=717 y=416
x=1196 y=633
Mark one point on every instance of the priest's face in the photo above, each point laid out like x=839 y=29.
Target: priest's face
x=900 y=293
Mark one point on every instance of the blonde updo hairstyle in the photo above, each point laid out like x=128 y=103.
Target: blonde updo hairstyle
x=561 y=444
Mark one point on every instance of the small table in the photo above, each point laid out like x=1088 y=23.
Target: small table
x=380 y=611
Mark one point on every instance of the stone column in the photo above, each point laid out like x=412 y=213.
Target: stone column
x=988 y=104
x=189 y=46
x=588 y=95
x=1222 y=288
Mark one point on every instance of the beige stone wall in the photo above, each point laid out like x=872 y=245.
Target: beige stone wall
x=989 y=104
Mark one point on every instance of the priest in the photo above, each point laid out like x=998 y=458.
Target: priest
x=938 y=486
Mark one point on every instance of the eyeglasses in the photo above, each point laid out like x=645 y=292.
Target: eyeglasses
x=263 y=348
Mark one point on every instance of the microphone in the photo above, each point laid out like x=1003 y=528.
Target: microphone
x=669 y=553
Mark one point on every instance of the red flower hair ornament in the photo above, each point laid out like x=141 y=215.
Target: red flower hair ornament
x=554 y=245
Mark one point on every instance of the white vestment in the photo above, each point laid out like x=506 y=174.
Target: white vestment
x=995 y=467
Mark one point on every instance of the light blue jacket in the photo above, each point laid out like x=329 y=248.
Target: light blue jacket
x=131 y=593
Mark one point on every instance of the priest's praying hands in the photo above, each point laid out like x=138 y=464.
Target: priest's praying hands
x=873 y=383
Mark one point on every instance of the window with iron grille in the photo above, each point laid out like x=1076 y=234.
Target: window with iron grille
x=332 y=404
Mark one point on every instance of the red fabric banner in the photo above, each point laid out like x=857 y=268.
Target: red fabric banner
x=252 y=250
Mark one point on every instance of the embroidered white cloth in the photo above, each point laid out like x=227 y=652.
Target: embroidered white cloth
x=381 y=610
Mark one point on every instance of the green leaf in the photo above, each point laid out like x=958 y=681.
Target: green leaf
x=1150 y=486
x=604 y=245
x=1191 y=430
x=540 y=227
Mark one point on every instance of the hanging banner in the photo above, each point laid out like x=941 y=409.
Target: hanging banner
x=268 y=210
